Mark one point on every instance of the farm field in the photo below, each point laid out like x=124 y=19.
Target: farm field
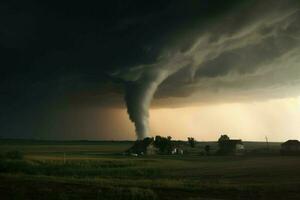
x=98 y=170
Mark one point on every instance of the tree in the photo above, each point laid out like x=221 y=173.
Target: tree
x=191 y=141
x=223 y=138
x=164 y=144
x=224 y=148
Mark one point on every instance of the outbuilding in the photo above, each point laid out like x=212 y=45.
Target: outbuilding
x=290 y=147
x=231 y=147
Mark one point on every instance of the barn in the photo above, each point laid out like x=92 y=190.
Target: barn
x=290 y=147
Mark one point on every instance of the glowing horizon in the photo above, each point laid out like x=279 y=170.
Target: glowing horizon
x=276 y=119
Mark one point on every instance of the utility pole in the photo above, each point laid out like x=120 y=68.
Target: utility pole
x=267 y=141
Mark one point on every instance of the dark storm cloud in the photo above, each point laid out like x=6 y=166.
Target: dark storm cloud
x=228 y=55
x=244 y=57
x=57 y=53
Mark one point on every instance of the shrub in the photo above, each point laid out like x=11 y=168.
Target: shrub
x=14 y=155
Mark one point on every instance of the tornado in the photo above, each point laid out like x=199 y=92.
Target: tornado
x=139 y=93
x=138 y=97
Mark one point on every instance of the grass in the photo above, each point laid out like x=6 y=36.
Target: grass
x=99 y=171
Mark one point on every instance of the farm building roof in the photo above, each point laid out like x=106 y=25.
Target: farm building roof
x=291 y=142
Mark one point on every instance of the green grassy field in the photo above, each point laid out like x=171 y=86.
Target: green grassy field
x=98 y=170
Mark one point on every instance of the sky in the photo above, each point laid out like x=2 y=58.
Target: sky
x=121 y=70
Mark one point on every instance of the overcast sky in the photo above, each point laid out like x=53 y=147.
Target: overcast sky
x=205 y=67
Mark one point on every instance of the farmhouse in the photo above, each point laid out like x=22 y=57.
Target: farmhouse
x=142 y=147
x=290 y=147
x=152 y=146
x=177 y=150
x=231 y=147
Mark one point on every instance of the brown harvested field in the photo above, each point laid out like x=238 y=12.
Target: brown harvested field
x=100 y=171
